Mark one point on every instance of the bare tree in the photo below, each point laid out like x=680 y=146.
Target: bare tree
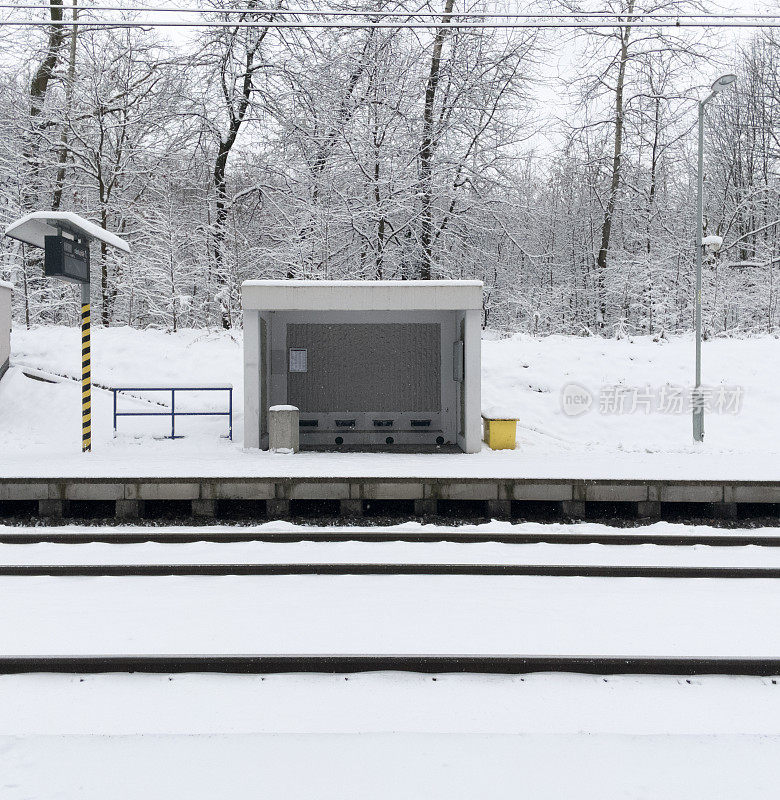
x=624 y=34
x=70 y=81
x=237 y=62
x=427 y=144
x=38 y=88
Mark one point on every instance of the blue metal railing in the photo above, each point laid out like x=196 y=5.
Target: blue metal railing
x=173 y=413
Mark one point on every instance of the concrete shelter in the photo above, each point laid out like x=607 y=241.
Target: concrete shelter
x=370 y=364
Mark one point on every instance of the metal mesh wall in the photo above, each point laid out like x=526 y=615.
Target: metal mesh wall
x=366 y=367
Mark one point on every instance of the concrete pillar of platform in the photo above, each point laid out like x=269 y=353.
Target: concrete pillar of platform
x=499 y=509
x=648 y=509
x=204 y=508
x=425 y=508
x=128 y=509
x=573 y=508
x=51 y=508
x=277 y=509
x=725 y=510
x=351 y=508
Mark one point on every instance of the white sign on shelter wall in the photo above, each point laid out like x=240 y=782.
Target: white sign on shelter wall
x=299 y=360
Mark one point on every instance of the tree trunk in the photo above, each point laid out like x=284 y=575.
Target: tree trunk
x=220 y=186
x=237 y=112
x=105 y=294
x=653 y=174
x=609 y=211
x=324 y=150
x=427 y=148
x=380 y=228
x=63 y=156
x=38 y=86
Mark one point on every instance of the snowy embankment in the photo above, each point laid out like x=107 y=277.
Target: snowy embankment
x=387 y=736
x=639 y=429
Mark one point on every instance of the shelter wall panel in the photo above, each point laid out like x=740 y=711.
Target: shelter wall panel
x=365 y=366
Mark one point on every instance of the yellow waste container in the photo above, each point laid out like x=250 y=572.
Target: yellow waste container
x=500 y=434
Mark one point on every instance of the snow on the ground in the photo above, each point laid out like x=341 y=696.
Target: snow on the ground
x=130 y=357
x=387 y=735
x=40 y=422
x=389 y=766
x=116 y=704
x=390 y=735
x=390 y=614
x=533 y=372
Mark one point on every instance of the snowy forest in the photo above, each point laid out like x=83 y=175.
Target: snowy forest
x=558 y=166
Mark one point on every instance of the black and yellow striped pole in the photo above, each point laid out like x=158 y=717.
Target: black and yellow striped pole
x=86 y=373
x=66 y=257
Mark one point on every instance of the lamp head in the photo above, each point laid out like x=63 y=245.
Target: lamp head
x=723 y=83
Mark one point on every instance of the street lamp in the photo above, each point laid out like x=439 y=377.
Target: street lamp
x=698 y=403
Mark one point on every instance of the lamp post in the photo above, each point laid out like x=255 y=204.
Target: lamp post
x=698 y=402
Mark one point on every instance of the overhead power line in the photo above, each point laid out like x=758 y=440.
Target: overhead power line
x=530 y=23
x=391 y=19
x=276 y=12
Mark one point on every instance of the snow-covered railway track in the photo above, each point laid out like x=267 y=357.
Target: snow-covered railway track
x=341 y=615
x=357 y=663
x=516 y=570
x=631 y=536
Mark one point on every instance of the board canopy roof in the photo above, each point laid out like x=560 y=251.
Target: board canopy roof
x=33 y=228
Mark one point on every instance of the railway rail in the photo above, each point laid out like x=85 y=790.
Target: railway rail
x=637 y=536
x=420 y=663
x=277 y=569
x=346 y=663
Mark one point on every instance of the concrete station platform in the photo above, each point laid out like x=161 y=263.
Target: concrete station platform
x=135 y=497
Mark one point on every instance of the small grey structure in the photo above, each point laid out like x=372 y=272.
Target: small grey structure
x=283 y=429
x=5 y=325
x=368 y=363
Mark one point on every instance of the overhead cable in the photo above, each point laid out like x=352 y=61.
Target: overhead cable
x=406 y=14
x=529 y=24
